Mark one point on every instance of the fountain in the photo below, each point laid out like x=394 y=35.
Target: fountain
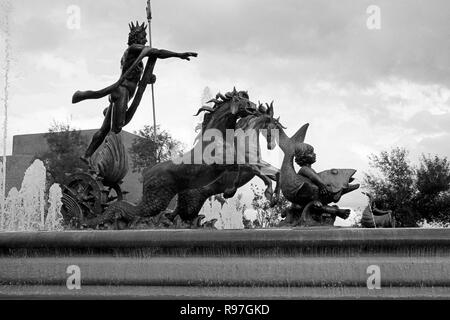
x=32 y=195
x=305 y=259
x=13 y=210
x=25 y=210
x=54 y=219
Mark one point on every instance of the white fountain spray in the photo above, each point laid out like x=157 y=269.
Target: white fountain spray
x=13 y=210
x=2 y=199
x=54 y=219
x=25 y=209
x=6 y=9
x=32 y=194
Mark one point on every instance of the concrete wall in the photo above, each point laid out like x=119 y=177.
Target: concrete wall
x=26 y=147
x=15 y=170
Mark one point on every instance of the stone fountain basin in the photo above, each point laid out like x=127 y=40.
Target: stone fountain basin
x=242 y=264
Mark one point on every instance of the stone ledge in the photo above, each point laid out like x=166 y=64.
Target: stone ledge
x=295 y=264
x=223 y=293
x=189 y=238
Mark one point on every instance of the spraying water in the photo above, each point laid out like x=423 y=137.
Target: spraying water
x=25 y=210
x=227 y=216
x=32 y=195
x=12 y=207
x=54 y=219
x=6 y=8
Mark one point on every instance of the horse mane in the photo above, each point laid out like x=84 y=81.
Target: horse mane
x=259 y=119
x=219 y=102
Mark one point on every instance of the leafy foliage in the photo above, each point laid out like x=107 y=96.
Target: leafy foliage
x=266 y=215
x=395 y=186
x=414 y=194
x=433 y=186
x=65 y=146
x=145 y=152
x=433 y=176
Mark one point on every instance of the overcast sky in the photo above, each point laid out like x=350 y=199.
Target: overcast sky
x=362 y=90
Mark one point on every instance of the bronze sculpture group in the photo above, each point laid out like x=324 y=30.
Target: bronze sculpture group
x=193 y=181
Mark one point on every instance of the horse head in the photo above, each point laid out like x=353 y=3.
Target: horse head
x=264 y=122
x=227 y=110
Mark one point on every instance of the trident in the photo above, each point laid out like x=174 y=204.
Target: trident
x=149 y=18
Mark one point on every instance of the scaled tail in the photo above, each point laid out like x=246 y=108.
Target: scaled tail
x=288 y=144
x=300 y=136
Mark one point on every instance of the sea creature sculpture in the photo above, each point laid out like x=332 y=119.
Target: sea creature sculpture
x=311 y=193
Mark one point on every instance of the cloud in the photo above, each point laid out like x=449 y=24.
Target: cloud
x=426 y=122
x=440 y=145
x=64 y=68
x=330 y=36
x=37 y=33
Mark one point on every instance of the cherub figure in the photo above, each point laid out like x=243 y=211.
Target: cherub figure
x=311 y=192
x=314 y=191
x=314 y=187
x=132 y=83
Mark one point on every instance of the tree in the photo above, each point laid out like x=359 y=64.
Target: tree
x=65 y=146
x=433 y=186
x=393 y=188
x=145 y=153
x=433 y=176
x=413 y=194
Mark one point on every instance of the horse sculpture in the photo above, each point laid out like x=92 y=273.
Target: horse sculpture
x=191 y=201
x=194 y=179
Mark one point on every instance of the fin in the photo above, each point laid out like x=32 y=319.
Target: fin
x=300 y=136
